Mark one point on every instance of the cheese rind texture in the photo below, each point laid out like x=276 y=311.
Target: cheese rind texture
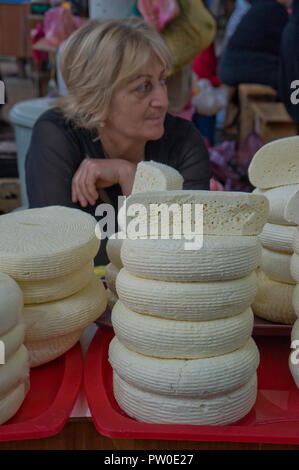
x=164 y=338
x=11 y=402
x=193 y=301
x=224 y=213
x=44 y=321
x=113 y=248
x=296 y=241
x=154 y=176
x=278 y=237
x=13 y=339
x=278 y=199
x=41 y=352
x=296 y=299
x=291 y=212
x=295 y=267
x=111 y=298
x=277 y=265
x=220 y=258
x=154 y=408
x=275 y=164
x=46 y=243
x=49 y=290
x=274 y=300
x=11 y=303
x=185 y=378
x=111 y=273
x=14 y=371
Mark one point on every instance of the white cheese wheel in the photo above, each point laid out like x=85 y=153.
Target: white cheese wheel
x=41 y=352
x=278 y=237
x=277 y=265
x=296 y=299
x=44 y=321
x=158 y=337
x=46 y=243
x=113 y=248
x=296 y=241
x=11 y=402
x=274 y=300
x=111 y=273
x=12 y=340
x=111 y=298
x=291 y=211
x=11 y=303
x=295 y=267
x=275 y=164
x=15 y=371
x=224 y=213
x=153 y=408
x=186 y=300
x=153 y=176
x=49 y=290
x=295 y=331
x=220 y=258
x=278 y=199
x=192 y=378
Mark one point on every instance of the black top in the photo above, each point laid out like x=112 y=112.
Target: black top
x=252 y=54
x=289 y=63
x=57 y=148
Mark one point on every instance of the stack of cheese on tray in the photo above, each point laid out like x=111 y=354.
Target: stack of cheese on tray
x=183 y=351
x=14 y=360
x=274 y=170
x=150 y=176
x=49 y=252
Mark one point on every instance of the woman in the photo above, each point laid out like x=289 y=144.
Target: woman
x=114 y=116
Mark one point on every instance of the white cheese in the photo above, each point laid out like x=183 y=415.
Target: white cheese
x=296 y=299
x=277 y=265
x=278 y=199
x=185 y=378
x=278 y=237
x=113 y=248
x=153 y=408
x=111 y=298
x=160 y=337
x=11 y=402
x=111 y=273
x=291 y=211
x=274 y=300
x=41 y=352
x=46 y=243
x=44 y=321
x=153 y=176
x=296 y=241
x=11 y=303
x=275 y=164
x=295 y=267
x=49 y=290
x=14 y=371
x=220 y=258
x=12 y=340
x=224 y=213
x=186 y=300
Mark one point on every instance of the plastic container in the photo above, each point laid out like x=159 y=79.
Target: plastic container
x=55 y=387
x=274 y=418
x=23 y=116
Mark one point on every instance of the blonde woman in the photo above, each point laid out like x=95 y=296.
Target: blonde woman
x=114 y=116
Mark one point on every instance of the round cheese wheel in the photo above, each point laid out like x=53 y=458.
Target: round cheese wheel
x=11 y=402
x=186 y=300
x=111 y=273
x=46 y=243
x=277 y=265
x=219 y=258
x=14 y=371
x=11 y=305
x=44 y=321
x=164 y=338
x=278 y=199
x=111 y=298
x=12 y=340
x=153 y=408
x=185 y=378
x=278 y=237
x=113 y=248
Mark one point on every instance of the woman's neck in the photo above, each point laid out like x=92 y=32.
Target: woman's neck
x=127 y=149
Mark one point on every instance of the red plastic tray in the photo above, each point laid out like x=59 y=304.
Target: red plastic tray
x=274 y=418
x=54 y=389
x=267 y=328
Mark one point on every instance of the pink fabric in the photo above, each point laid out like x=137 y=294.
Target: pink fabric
x=59 y=24
x=187 y=112
x=159 y=12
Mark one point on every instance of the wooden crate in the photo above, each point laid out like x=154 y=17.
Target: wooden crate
x=10 y=194
x=271 y=121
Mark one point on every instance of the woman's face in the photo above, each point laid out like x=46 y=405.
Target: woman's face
x=138 y=108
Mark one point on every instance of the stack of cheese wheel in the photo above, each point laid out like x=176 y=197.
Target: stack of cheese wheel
x=14 y=359
x=150 y=176
x=272 y=171
x=49 y=252
x=183 y=351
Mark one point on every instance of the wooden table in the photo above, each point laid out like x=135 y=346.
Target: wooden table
x=272 y=121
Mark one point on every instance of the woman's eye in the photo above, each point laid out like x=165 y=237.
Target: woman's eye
x=144 y=87
x=163 y=81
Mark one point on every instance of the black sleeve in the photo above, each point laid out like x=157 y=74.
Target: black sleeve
x=51 y=162
x=194 y=161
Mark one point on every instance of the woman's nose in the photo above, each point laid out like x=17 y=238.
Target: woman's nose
x=160 y=98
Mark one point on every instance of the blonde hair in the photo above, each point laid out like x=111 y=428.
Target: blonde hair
x=99 y=57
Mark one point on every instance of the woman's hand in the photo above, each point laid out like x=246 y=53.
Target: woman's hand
x=96 y=173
